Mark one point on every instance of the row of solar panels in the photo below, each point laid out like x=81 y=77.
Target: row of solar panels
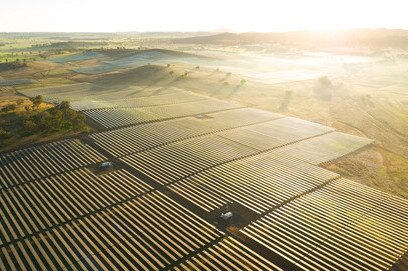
x=342 y=226
x=150 y=232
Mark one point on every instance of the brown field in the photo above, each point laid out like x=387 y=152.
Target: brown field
x=366 y=98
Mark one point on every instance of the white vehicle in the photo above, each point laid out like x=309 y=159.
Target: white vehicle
x=105 y=165
x=226 y=216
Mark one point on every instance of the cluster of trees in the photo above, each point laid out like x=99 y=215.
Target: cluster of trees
x=58 y=118
x=12 y=65
x=8 y=108
x=34 y=120
x=3 y=132
x=323 y=88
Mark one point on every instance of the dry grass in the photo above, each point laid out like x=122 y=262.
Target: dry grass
x=374 y=106
x=377 y=168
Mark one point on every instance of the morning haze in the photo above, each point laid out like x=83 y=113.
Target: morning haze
x=206 y=135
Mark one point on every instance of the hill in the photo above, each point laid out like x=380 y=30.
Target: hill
x=394 y=38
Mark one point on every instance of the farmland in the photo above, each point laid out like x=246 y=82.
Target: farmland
x=178 y=139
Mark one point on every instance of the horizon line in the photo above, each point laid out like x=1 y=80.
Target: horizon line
x=204 y=31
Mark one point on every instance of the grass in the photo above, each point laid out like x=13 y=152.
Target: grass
x=377 y=168
x=370 y=103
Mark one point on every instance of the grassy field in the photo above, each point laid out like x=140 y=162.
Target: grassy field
x=362 y=93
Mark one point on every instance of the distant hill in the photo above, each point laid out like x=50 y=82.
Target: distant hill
x=67 y=45
x=147 y=74
x=7 y=66
x=358 y=37
x=164 y=52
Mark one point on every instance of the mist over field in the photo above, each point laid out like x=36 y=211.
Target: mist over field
x=204 y=136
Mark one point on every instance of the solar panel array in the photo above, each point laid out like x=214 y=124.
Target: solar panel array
x=276 y=133
x=163 y=99
x=193 y=157
x=228 y=254
x=343 y=225
x=259 y=182
x=325 y=148
x=38 y=162
x=116 y=117
x=86 y=95
x=34 y=207
x=149 y=232
x=132 y=139
x=180 y=159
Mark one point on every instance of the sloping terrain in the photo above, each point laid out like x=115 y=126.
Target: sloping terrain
x=174 y=169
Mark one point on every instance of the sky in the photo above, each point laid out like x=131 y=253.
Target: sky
x=204 y=15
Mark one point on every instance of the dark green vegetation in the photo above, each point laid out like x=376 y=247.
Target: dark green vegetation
x=58 y=118
x=12 y=65
x=19 y=121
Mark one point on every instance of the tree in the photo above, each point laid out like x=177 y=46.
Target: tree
x=4 y=134
x=8 y=108
x=324 y=82
x=43 y=120
x=64 y=105
x=79 y=122
x=29 y=126
x=19 y=101
x=37 y=100
x=323 y=88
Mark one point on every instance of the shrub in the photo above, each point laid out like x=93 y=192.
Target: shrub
x=8 y=108
x=30 y=126
x=20 y=101
x=4 y=134
x=323 y=88
x=37 y=100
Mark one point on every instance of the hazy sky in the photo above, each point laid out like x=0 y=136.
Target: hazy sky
x=191 y=15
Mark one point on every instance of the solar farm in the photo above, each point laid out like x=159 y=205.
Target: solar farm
x=177 y=162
